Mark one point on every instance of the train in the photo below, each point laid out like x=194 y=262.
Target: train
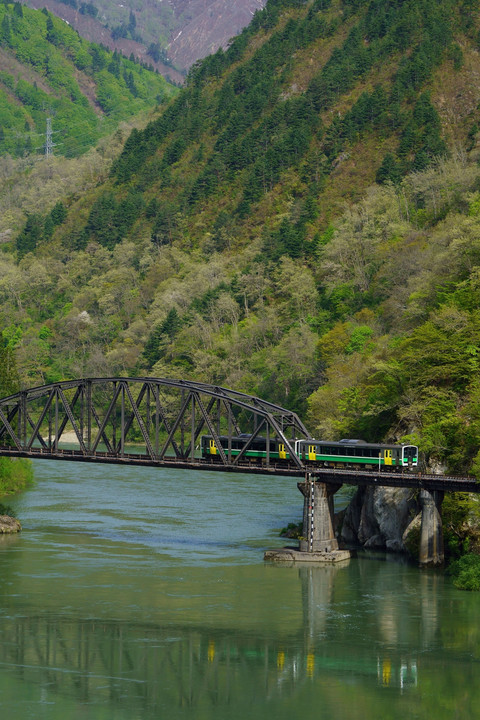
x=349 y=453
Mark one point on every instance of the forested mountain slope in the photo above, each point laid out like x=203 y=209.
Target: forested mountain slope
x=301 y=222
x=47 y=70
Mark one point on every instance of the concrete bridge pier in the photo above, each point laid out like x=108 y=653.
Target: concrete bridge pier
x=318 y=532
x=431 y=535
x=318 y=544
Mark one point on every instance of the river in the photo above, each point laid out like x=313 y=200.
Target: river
x=135 y=594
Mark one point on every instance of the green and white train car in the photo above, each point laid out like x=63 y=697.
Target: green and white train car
x=344 y=453
x=357 y=453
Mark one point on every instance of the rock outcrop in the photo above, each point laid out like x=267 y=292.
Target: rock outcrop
x=378 y=517
x=9 y=524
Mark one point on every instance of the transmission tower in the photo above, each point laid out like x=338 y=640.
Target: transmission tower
x=48 y=140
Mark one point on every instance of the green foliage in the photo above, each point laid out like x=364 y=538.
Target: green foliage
x=460 y=518
x=359 y=338
x=163 y=333
x=7 y=510
x=293 y=531
x=8 y=372
x=110 y=220
x=389 y=171
x=38 y=228
x=456 y=54
x=58 y=214
x=30 y=236
x=58 y=64
x=15 y=475
x=287 y=239
x=422 y=135
x=466 y=572
x=424 y=380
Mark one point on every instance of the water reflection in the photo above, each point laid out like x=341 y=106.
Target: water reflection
x=321 y=608
x=126 y=599
x=149 y=666
x=114 y=662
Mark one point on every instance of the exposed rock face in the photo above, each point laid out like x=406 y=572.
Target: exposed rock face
x=9 y=524
x=208 y=25
x=378 y=517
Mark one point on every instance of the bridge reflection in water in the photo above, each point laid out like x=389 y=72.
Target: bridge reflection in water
x=150 y=667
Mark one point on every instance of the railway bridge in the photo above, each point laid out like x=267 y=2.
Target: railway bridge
x=160 y=422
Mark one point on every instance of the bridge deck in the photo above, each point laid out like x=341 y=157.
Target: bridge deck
x=415 y=480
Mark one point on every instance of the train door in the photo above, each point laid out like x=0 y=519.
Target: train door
x=281 y=452
x=388 y=457
x=212 y=447
x=312 y=452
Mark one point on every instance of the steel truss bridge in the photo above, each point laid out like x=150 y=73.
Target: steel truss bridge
x=147 y=421
x=159 y=422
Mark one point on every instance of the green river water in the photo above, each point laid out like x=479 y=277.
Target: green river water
x=136 y=594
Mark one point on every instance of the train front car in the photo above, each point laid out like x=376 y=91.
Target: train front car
x=409 y=456
x=358 y=455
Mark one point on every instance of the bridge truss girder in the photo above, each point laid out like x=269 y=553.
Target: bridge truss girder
x=105 y=416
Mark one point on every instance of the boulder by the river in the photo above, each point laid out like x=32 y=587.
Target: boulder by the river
x=9 y=524
x=377 y=517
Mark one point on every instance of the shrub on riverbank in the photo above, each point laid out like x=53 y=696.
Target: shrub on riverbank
x=466 y=572
x=292 y=531
x=461 y=524
x=15 y=475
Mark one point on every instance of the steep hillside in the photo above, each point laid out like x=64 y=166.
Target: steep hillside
x=203 y=27
x=300 y=222
x=47 y=70
x=171 y=36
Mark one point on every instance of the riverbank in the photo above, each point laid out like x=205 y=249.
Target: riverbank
x=15 y=475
